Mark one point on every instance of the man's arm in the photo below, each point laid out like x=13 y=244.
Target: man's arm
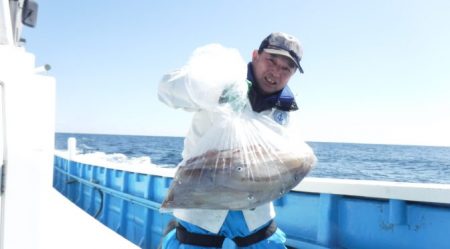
x=172 y=91
x=202 y=81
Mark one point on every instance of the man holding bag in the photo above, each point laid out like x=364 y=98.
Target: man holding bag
x=272 y=66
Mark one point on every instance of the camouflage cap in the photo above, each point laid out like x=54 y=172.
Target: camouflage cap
x=283 y=44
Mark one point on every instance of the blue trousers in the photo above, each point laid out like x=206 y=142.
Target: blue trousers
x=233 y=226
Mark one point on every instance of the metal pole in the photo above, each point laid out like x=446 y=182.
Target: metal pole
x=3 y=166
x=72 y=148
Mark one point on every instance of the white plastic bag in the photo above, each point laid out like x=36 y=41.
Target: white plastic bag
x=212 y=69
x=245 y=159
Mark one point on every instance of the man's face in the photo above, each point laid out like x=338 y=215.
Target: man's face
x=272 y=72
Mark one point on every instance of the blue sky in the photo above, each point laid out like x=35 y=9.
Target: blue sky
x=375 y=71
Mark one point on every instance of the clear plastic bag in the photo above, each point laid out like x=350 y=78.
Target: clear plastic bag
x=243 y=160
x=210 y=70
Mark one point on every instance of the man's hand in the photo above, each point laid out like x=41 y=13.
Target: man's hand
x=235 y=96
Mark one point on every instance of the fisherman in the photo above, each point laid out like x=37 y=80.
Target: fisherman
x=272 y=66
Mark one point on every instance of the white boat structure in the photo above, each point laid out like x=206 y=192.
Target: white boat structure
x=54 y=201
x=33 y=214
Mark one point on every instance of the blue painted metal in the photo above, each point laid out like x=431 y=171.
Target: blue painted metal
x=397 y=212
x=128 y=203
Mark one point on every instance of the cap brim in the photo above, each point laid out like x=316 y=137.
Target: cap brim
x=284 y=53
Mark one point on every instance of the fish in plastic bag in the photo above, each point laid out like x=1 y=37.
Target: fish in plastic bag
x=244 y=159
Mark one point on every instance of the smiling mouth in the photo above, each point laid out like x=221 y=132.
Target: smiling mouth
x=270 y=80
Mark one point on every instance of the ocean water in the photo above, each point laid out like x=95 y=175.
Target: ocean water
x=400 y=163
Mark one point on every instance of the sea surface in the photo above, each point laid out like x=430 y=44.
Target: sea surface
x=399 y=163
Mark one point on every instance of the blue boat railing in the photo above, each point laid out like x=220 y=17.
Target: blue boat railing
x=127 y=197
x=317 y=214
x=126 y=202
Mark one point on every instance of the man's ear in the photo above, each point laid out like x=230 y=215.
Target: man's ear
x=255 y=54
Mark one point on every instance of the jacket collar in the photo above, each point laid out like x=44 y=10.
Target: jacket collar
x=283 y=100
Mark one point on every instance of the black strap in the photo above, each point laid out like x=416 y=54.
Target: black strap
x=207 y=240
x=196 y=239
x=260 y=235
